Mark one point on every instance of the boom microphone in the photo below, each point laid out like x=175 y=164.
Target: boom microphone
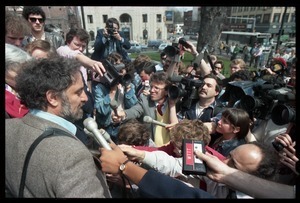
x=91 y=125
x=114 y=105
x=148 y=119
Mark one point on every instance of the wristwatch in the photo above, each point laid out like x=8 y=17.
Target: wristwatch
x=123 y=165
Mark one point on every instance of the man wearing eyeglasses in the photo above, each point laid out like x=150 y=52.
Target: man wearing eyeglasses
x=157 y=105
x=36 y=18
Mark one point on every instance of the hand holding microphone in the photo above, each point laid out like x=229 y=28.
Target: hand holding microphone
x=148 y=119
x=100 y=136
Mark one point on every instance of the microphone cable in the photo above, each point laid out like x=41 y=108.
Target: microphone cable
x=131 y=193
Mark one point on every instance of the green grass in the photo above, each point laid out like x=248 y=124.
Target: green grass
x=188 y=58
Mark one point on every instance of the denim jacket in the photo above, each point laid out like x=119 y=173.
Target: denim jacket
x=102 y=102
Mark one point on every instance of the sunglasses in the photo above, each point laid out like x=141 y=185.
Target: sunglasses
x=33 y=20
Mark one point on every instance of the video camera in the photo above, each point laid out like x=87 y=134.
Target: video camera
x=174 y=51
x=186 y=89
x=261 y=100
x=112 y=74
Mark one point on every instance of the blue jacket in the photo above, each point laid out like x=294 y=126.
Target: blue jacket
x=102 y=43
x=157 y=185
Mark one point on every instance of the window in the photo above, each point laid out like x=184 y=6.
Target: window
x=293 y=19
x=266 y=18
x=158 y=18
x=145 y=20
x=258 y=18
x=105 y=17
x=286 y=18
x=90 y=18
x=244 y=20
x=276 y=18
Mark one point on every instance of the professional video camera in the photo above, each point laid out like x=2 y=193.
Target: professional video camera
x=261 y=100
x=186 y=89
x=112 y=75
x=174 y=51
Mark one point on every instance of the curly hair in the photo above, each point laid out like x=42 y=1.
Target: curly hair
x=39 y=76
x=134 y=132
x=190 y=129
x=33 y=10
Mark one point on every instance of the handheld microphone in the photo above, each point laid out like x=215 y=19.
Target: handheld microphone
x=91 y=125
x=105 y=135
x=114 y=105
x=148 y=119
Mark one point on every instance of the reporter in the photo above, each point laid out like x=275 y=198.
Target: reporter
x=259 y=188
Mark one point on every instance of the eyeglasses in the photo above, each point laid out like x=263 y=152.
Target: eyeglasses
x=79 y=45
x=156 y=88
x=33 y=20
x=220 y=68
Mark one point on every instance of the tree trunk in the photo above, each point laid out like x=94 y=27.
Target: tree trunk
x=211 y=24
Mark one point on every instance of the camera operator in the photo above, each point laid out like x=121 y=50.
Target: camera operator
x=120 y=90
x=110 y=39
x=204 y=107
x=183 y=45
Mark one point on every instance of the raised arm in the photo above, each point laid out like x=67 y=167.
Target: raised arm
x=244 y=182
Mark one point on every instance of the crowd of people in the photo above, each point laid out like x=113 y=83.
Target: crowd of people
x=147 y=110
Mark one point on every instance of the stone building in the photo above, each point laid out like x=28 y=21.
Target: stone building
x=139 y=24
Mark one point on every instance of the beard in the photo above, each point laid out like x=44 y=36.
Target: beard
x=67 y=112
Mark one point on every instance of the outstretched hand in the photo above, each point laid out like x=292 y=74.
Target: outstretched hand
x=112 y=159
x=216 y=169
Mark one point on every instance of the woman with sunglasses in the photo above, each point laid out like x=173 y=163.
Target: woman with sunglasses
x=36 y=18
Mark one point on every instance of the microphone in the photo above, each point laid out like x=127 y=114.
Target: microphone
x=148 y=119
x=105 y=135
x=114 y=105
x=91 y=125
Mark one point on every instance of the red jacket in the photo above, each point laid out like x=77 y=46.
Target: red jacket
x=13 y=106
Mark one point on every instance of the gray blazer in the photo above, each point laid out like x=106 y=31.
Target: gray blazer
x=60 y=166
x=144 y=107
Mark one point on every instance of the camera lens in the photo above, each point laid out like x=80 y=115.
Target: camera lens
x=183 y=42
x=171 y=51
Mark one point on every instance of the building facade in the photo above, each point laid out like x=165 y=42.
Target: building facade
x=250 y=19
x=139 y=24
x=266 y=19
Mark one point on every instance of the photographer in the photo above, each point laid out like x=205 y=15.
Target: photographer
x=109 y=40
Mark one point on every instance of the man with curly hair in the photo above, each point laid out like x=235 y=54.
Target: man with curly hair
x=36 y=18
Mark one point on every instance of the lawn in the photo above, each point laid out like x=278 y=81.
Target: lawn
x=188 y=59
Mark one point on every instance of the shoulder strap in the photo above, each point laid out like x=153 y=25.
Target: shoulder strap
x=48 y=132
